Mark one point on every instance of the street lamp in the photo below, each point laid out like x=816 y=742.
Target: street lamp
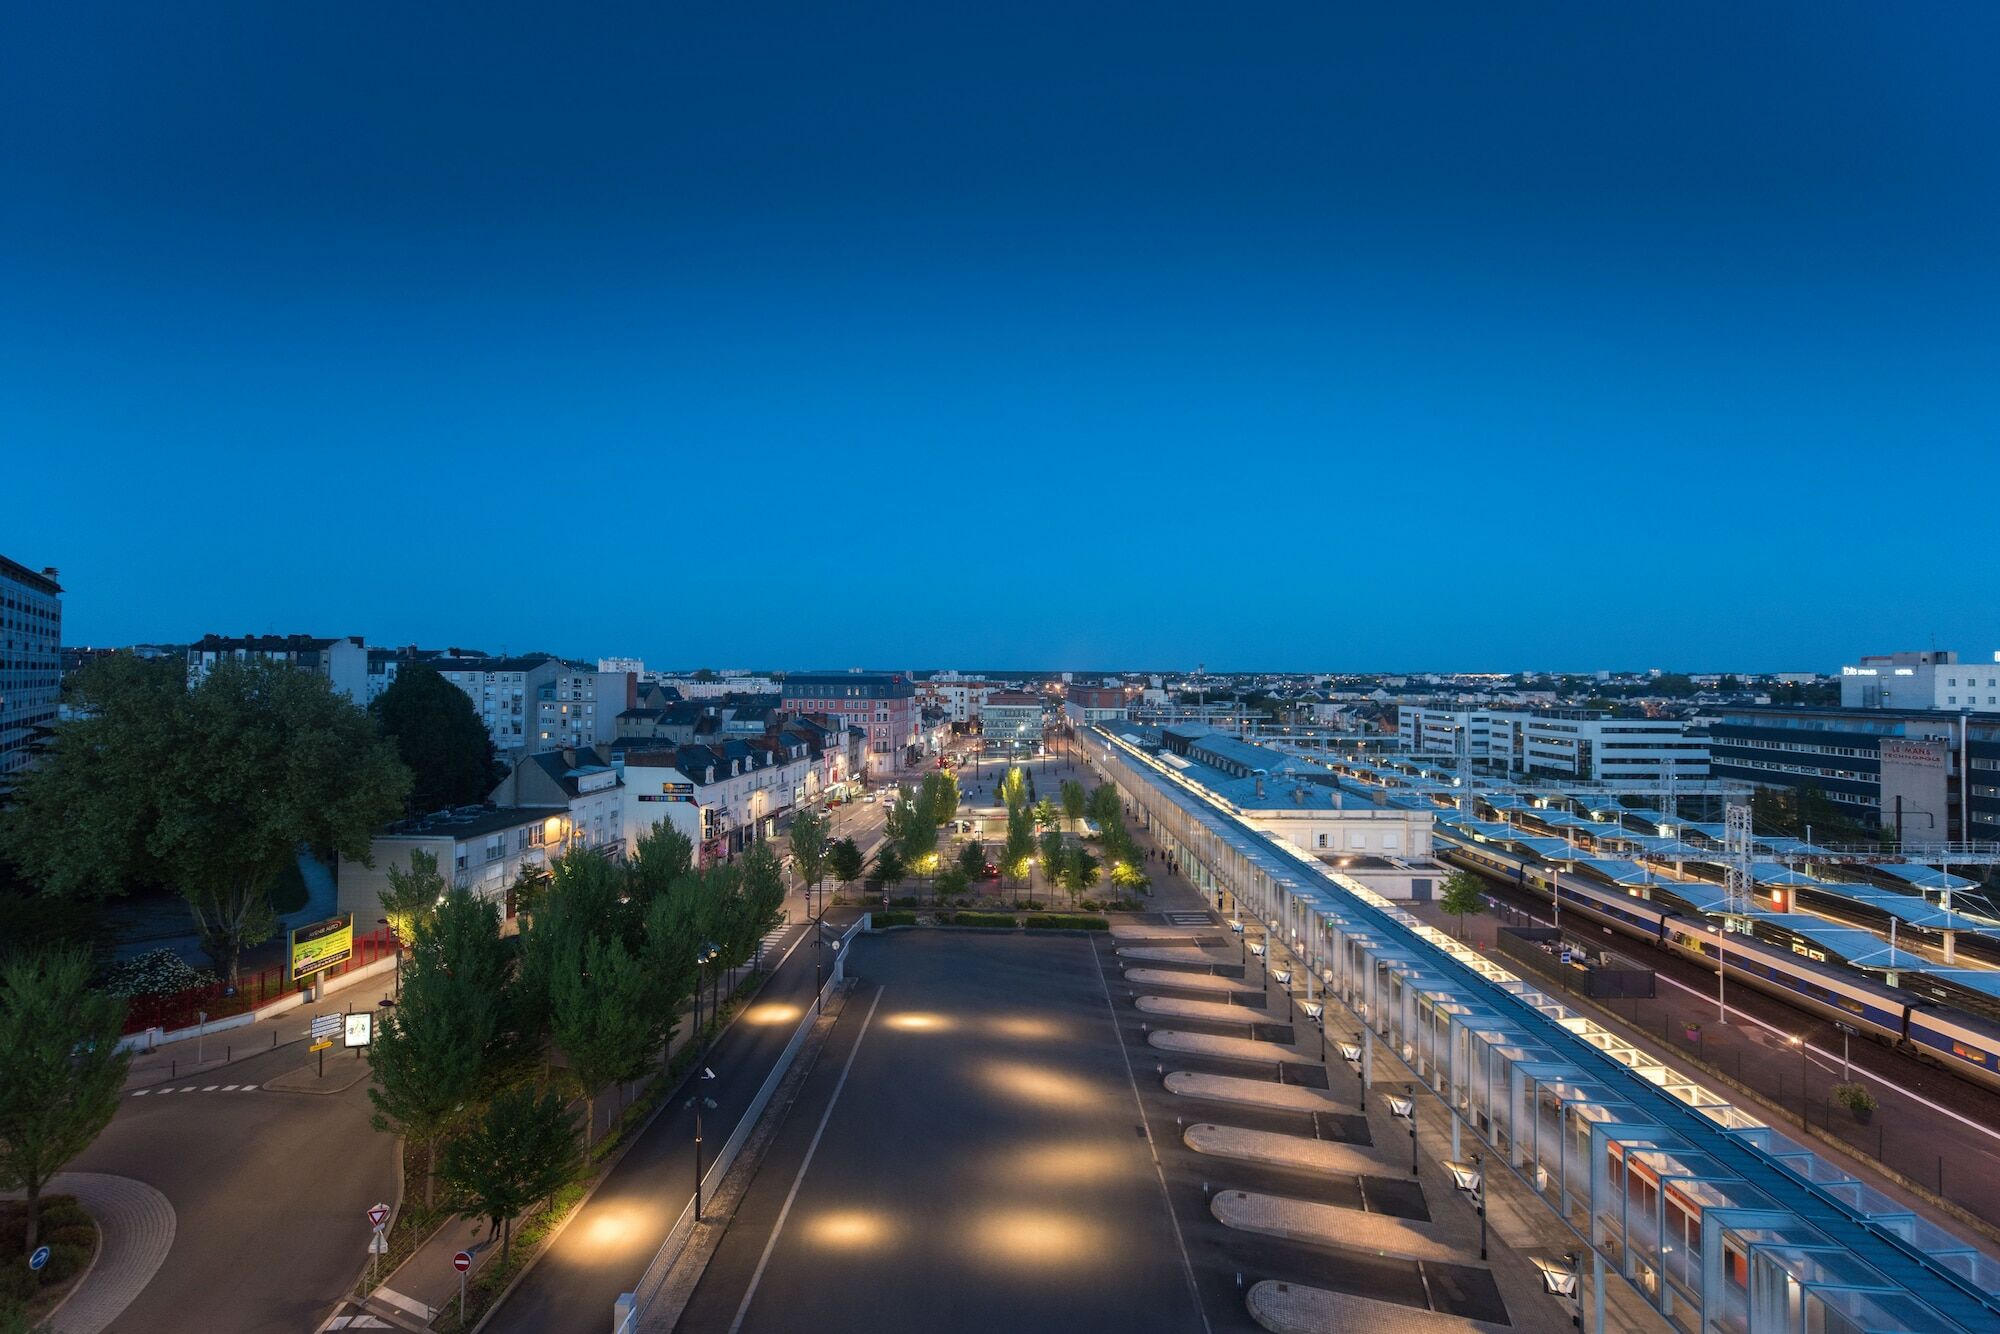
x=702 y=955
x=699 y=1101
x=819 y=964
x=1405 y=1109
x=1564 y=1278
x=1468 y=1178
x=1257 y=948
x=1316 y=1011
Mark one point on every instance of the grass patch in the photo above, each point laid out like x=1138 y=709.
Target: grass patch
x=1066 y=922
x=882 y=919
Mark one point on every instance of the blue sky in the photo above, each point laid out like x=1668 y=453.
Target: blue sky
x=1290 y=336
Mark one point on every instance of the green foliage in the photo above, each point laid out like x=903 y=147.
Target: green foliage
x=951 y=882
x=1463 y=894
x=845 y=863
x=601 y=1016
x=1046 y=813
x=1013 y=789
x=809 y=846
x=523 y=1149
x=882 y=919
x=435 y=730
x=1065 y=922
x=981 y=919
x=413 y=894
x=1106 y=807
x=1854 y=1097
x=435 y=1052
x=660 y=858
x=1075 y=799
x=1081 y=871
x=60 y=1068
x=972 y=860
x=212 y=790
x=889 y=867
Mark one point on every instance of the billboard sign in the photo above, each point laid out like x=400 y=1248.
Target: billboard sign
x=320 y=946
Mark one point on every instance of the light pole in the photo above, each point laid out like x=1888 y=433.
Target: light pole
x=699 y=1101
x=819 y=965
x=1316 y=1011
x=1405 y=1108
x=706 y=952
x=1469 y=1178
x=1257 y=948
x=383 y=921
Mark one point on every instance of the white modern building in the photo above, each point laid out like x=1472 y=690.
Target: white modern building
x=584 y=784
x=580 y=707
x=1012 y=718
x=342 y=662
x=1586 y=745
x=30 y=659
x=722 y=796
x=1931 y=679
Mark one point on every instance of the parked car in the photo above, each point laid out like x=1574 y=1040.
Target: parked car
x=989 y=872
x=869 y=798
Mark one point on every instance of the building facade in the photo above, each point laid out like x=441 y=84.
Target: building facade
x=478 y=848
x=1582 y=744
x=882 y=704
x=506 y=694
x=30 y=660
x=1012 y=721
x=584 y=784
x=722 y=796
x=1934 y=775
x=342 y=662
x=580 y=707
x=1086 y=705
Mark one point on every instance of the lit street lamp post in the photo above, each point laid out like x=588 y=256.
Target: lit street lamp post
x=699 y=1101
x=1405 y=1108
x=1469 y=1178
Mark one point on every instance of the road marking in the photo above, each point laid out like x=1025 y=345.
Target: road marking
x=249 y=1088
x=229 y=1088
x=798 y=1180
x=209 y=1089
x=1152 y=1145
x=398 y=1300
x=140 y=1093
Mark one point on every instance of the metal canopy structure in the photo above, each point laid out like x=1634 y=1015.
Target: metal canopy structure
x=1712 y=1216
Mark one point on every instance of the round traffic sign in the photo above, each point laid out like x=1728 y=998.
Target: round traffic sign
x=39 y=1258
x=462 y=1261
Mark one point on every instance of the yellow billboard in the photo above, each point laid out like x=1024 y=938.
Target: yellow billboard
x=320 y=946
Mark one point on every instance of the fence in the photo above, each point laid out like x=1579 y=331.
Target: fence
x=181 y=1009
x=630 y=1314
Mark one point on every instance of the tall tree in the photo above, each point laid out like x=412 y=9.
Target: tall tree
x=809 y=848
x=1020 y=842
x=60 y=1068
x=435 y=1052
x=1046 y=813
x=228 y=781
x=1013 y=788
x=523 y=1149
x=602 y=1015
x=661 y=857
x=1052 y=850
x=972 y=860
x=585 y=899
x=889 y=868
x=1463 y=894
x=435 y=730
x=413 y=894
x=845 y=862
x=1075 y=800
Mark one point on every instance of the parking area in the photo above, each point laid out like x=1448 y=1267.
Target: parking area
x=967 y=1153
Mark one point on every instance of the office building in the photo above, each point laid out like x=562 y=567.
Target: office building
x=1586 y=745
x=30 y=660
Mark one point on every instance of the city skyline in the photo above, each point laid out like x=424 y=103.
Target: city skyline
x=1599 y=333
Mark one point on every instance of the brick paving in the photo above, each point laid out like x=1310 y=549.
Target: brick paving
x=1331 y=1225
x=1217 y=1012
x=1205 y=1044
x=1254 y=1092
x=137 y=1227
x=1290 y=1308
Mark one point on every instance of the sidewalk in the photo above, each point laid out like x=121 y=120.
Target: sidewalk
x=221 y=1047
x=427 y=1282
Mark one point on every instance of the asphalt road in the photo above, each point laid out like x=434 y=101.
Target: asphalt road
x=607 y=1246
x=265 y=1186
x=982 y=1166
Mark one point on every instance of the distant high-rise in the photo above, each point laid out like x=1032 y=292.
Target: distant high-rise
x=30 y=659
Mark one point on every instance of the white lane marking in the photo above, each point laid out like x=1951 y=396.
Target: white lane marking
x=140 y=1093
x=209 y=1089
x=247 y=1088
x=798 y=1180
x=229 y=1088
x=1152 y=1145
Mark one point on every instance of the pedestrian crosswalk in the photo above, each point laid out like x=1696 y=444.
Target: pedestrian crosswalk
x=768 y=944
x=197 y=1088
x=1188 y=919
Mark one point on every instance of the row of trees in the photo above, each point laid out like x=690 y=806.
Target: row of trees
x=212 y=790
x=494 y=1037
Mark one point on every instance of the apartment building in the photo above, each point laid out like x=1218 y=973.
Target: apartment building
x=505 y=693
x=584 y=784
x=882 y=704
x=30 y=660
x=722 y=795
x=483 y=849
x=580 y=706
x=1587 y=745
x=343 y=662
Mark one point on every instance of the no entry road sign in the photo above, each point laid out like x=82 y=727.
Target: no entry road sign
x=462 y=1261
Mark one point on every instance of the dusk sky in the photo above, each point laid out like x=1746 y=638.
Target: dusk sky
x=1467 y=336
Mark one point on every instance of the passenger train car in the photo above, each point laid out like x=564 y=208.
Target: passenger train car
x=1965 y=1044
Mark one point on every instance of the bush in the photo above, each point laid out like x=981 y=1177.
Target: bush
x=63 y=1211
x=154 y=973
x=1854 y=1097
x=904 y=901
x=67 y=1261
x=1066 y=922
x=1092 y=905
x=882 y=919
x=985 y=919
x=74 y=1234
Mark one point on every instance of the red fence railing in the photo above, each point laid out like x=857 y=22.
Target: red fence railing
x=183 y=1008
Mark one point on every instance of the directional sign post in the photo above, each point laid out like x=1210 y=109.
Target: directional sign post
x=461 y=1262
x=325 y=1028
x=378 y=1240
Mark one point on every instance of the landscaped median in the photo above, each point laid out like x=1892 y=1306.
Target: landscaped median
x=71 y=1236
x=990 y=921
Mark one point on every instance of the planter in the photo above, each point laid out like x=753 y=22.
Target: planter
x=1693 y=1032
x=1863 y=1115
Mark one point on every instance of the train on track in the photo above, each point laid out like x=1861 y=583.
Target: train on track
x=1967 y=1045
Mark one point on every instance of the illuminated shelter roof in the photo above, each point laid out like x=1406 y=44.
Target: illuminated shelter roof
x=1851 y=1238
